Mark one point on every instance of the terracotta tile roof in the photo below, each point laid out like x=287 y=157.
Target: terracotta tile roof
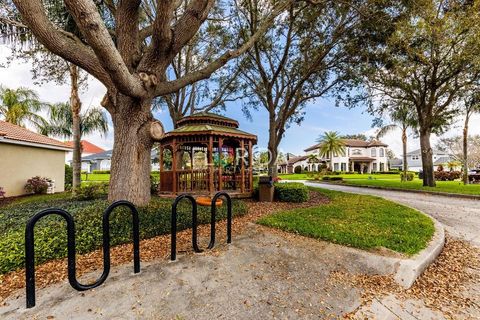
x=13 y=132
x=87 y=147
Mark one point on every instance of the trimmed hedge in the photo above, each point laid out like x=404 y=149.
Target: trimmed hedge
x=50 y=232
x=101 y=171
x=291 y=192
x=447 y=175
x=332 y=178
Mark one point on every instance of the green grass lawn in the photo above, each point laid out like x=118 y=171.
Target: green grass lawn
x=96 y=177
x=359 y=221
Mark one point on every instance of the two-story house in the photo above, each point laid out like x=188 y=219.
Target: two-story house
x=414 y=159
x=359 y=156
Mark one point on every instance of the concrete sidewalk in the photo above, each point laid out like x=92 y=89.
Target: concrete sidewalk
x=263 y=274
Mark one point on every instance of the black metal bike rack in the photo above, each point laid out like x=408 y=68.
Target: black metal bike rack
x=72 y=279
x=213 y=210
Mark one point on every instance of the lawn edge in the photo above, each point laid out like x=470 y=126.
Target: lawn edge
x=408 y=270
x=436 y=193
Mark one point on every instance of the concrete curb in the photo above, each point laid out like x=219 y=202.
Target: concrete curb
x=435 y=193
x=409 y=270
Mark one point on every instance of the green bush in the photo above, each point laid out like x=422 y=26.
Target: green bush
x=101 y=171
x=291 y=192
x=50 y=232
x=409 y=176
x=68 y=177
x=91 y=191
x=336 y=178
x=154 y=183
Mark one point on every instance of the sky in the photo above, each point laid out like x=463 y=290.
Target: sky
x=321 y=115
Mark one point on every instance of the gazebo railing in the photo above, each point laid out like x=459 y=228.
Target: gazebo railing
x=199 y=181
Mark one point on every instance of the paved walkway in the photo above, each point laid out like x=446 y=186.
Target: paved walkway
x=461 y=217
x=261 y=275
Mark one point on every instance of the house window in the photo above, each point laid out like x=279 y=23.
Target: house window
x=344 y=166
x=374 y=152
x=382 y=152
x=382 y=167
x=374 y=167
x=335 y=167
x=415 y=157
x=356 y=152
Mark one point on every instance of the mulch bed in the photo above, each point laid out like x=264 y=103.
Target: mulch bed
x=150 y=249
x=442 y=287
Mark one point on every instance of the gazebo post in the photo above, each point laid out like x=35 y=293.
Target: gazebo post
x=174 y=165
x=250 y=165
x=242 y=166
x=211 y=187
x=191 y=169
x=220 y=173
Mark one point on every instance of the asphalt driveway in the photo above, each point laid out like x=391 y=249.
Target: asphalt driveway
x=461 y=217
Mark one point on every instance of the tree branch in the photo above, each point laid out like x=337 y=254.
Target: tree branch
x=87 y=18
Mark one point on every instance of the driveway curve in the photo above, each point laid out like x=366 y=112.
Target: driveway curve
x=461 y=217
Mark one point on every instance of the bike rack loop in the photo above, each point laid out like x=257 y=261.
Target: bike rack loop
x=213 y=218
x=173 y=229
x=30 y=248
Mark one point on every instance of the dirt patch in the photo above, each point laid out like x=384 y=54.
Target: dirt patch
x=150 y=249
x=449 y=285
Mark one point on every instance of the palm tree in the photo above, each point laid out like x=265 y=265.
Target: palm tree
x=21 y=106
x=331 y=143
x=403 y=119
x=61 y=124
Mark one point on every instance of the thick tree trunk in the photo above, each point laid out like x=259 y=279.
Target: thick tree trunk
x=272 y=146
x=76 y=106
x=405 y=158
x=427 y=159
x=131 y=158
x=465 y=151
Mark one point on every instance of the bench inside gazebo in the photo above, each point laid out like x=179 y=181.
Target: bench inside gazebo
x=205 y=154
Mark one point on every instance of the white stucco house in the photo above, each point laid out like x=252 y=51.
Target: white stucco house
x=359 y=156
x=88 y=149
x=103 y=161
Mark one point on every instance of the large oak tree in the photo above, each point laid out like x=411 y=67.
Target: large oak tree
x=128 y=46
x=430 y=58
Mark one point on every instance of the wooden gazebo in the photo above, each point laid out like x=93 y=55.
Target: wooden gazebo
x=205 y=154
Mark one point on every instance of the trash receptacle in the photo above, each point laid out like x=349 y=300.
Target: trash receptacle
x=265 y=189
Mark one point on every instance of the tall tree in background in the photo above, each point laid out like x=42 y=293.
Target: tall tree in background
x=206 y=95
x=21 y=106
x=470 y=106
x=402 y=118
x=454 y=146
x=130 y=55
x=300 y=59
x=432 y=55
x=331 y=143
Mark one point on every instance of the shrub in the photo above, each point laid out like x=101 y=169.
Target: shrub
x=101 y=171
x=37 y=185
x=409 y=176
x=50 y=234
x=91 y=191
x=154 y=183
x=291 y=192
x=447 y=175
x=68 y=177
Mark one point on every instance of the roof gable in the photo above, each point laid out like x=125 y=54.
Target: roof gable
x=87 y=147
